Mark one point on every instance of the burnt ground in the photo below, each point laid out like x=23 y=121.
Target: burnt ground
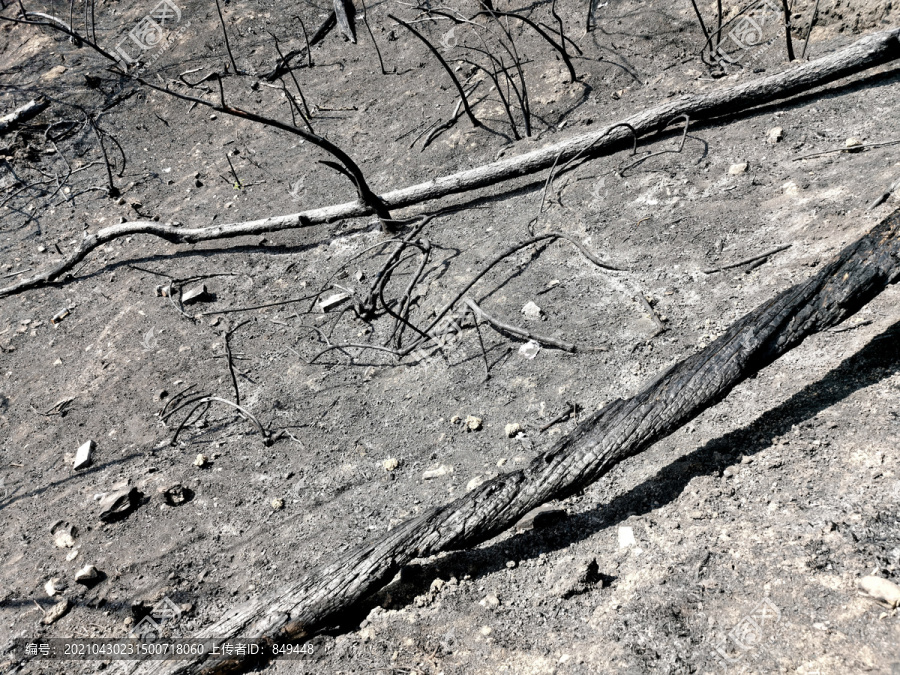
x=781 y=497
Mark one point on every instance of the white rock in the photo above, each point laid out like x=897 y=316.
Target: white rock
x=486 y=630
x=737 y=169
x=530 y=349
x=790 y=188
x=83 y=455
x=56 y=612
x=512 y=429
x=853 y=142
x=473 y=423
x=196 y=294
x=200 y=460
x=774 y=135
x=531 y=311
x=490 y=601
x=442 y=470
x=882 y=590
x=390 y=464
x=55 y=586
x=626 y=537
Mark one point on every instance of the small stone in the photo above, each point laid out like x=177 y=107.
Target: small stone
x=201 y=460
x=510 y=564
x=853 y=143
x=437 y=585
x=333 y=301
x=532 y=312
x=473 y=423
x=55 y=586
x=572 y=576
x=737 y=169
x=626 y=537
x=456 y=419
x=196 y=294
x=56 y=612
x=882 y=590
x=63 y=534
x=87 y=574
x=277 y=504
x=83 y=455
x=530 y=349
x=512 y=429
x=746 y=459
x=790 y=188
x=486 y=630
x=213 y=117
x=501 y=462
x=491 y=601
x=72 y=555
x=177 y=494
x=442 y=470
x=730 y=472
x=774 y=135
x=117 y=504
x=390 y=464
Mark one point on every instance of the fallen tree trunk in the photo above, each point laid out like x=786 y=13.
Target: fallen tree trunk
x=868 y=52
x=620 y=430
x=31 y=109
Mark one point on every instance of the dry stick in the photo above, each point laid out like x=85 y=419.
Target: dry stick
x=700 y=19
x=437 y=54
x=517 y=331
x=284 y=64
x=340 y=11
x=540 y=31
x=572 y=408
x=884 y=196
x=228 y=334
x=365 y=18
x=622 y=429
x=787 y=30
x=309 y=62
x=112 y=190
x=487 y=366
x=225 y=33
x=267 y=439
x=851 y=149
x=687 y=122
x=868 y=52
x=719 y=20
x=31 y=109
x=237 y=181
x=761 y=256
x=812 y=22
x=449 y=123
x=296 y=84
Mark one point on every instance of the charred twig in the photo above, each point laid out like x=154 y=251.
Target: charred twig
x=787 y=29
x=571 y=409
x=449 y=123
x=365 y=19
x=761 y=256
x=700 y=19
x=812 y=22
x=437 y=54
x=517 y=331
x=228 y=334
x=237 y=181
x=267 y=438
x=225 y=34
x=111 y=190
x=885 y=195
x=851 y=149
x=283 y=64
x=687 y=122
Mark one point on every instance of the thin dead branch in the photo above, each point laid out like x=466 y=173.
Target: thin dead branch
x=745 y=261
x=517 y=331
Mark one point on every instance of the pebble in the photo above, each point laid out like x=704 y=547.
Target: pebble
x=473 y=423
x=83 y=455
x=437 y=585
x=390 y=464
x=626 y=537
x=63 y=534
x=737 y=169
x=853 y=142
x=882 y=590
x=87 y=574
x=55 y=586
x=117 y=504
x=491 y=601
x=201 y=460
x=277 y=504
x=532 y=312
x=455 y=419
x=774 y=135
x=530 y=349
x=442 y=470
x=573 y=576
x=196 y=294
x=512 y=429
x=56 y=612
x=486 y=630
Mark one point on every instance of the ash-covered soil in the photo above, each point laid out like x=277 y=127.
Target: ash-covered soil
x=768 y=508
